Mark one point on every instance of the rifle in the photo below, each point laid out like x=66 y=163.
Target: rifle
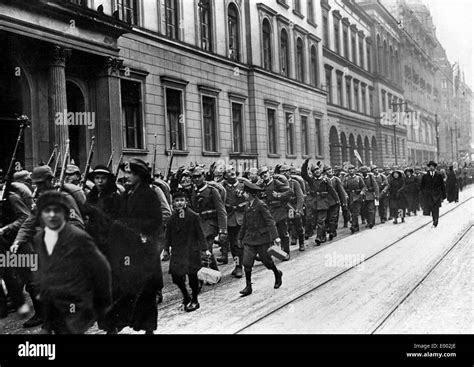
x=62 y=176
x=53 y=154
x=170 y=163
x=118 y=167
x=154 y=160
x=109 y=163
x=89 y=161
x=24 y=123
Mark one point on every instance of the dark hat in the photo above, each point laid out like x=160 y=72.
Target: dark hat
x=251 y=187
x=409 y=169
x=101 y=168
x=364 y=169
x=179 y=194
x=41 y=173
x=52 y=198
x=139 y=167
x=432 y=163
x=72 y=169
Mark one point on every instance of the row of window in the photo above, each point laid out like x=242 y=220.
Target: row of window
x=347 y=94
x=356 y=54
x=291 y=133
x=298 y=10
x=171 y=20
x=132 y=121
x=285 y=54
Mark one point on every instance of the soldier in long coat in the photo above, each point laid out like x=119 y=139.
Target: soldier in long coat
x=433 y=192
x=134 y=255
x=234 y=204
x=334 y=207
x=382 y=183
x=207 y=202
x=321 y=191
x=257 y=233
x=276 y=194
x=452 y=186
x=186 y=239
x=372 y=193
x=355 y=187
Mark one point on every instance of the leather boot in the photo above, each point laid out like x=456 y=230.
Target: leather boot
x=248 y=280
x=301 y=241
x=278 y=276
x=237 y=272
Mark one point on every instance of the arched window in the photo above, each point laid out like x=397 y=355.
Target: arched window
x=344 y=148
x=284 y=53
x=334 y=146
x=314 y=66
x=374 y=150
x=397 y=67
x=352 y=147
x=267 y=44
x=368 y=158
x=386 y=58
x=234 y=29
x=360 y=149
x=299 y=60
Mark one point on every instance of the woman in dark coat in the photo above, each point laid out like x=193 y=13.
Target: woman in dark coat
x=134 y=257
x=187 y=241
x=397 y=199
x=412 y=191
x=452 y=187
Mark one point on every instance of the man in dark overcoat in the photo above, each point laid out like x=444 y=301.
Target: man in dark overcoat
x=433 y=192
x=73 y=276
x=257 y=233
x=355 y=187
x=188 y=244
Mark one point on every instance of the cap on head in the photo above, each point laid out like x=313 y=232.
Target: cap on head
x=139 y=167
x=178 y=195
x=198 y=171
x=41 y=174
x=351 y=166
x=21 y=175
x=262 y=170
x=432 y=163
x=251 y=187
x=99 y=169
x=326 y=168
x=72 y=169
x=284 y=168
x=364 y=169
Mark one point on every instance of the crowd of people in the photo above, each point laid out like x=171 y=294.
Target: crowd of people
x=101 y=241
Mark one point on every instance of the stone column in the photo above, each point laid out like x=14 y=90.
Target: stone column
x=57 y=94
x=108 y=131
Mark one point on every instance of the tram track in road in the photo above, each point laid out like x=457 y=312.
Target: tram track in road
x=377 y=253
x=176 y=303
x=420 y=282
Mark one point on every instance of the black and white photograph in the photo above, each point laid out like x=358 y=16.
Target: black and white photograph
x=193 y=168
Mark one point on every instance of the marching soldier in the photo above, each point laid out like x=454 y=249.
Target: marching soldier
x=276 y=194
x=333 y=212
x=346 y=213
x=257 y=233
x=382 y=183
x=235 y=204
x=295 y=214
x=73 y=174
x=355 y=187
x=207 y=202
x=321 y=190
x=371 y=194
